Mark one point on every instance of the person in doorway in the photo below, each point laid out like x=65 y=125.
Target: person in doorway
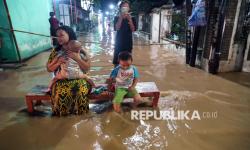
x=54 y=24
x=124 y=24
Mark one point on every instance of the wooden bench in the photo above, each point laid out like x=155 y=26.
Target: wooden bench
x=145 y=89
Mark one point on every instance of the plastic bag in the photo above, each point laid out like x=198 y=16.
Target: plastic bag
x=198 y=17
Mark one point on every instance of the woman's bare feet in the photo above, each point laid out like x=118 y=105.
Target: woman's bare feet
x=48 y=90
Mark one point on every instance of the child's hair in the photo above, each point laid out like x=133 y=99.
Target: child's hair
x=125 y=56
x=75 y=46
x=51 y=14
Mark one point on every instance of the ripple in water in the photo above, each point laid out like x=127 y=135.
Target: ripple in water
x=146 y=137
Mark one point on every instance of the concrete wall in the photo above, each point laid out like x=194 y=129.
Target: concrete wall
x=166 y=22
x=31 y=16
x=161 y=23
x=246 y=63
x=155 y=25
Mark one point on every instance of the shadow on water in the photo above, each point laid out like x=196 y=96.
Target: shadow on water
x=242 y=78
x=34 y=132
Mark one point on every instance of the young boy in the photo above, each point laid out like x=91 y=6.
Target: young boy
x=126 y=77
x=71 y=69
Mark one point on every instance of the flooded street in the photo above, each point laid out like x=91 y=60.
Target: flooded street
x=182 y=88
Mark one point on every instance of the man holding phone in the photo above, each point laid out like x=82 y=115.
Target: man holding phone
x=124 y=24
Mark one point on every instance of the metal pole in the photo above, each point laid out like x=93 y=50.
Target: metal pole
x=71 y=12
x=188 y=31
x=75 y=13
x=159 y=37
x=194 y=46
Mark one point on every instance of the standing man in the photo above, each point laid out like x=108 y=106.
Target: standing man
x=54 y=24
x=124 y=24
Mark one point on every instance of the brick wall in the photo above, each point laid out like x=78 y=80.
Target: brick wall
x=231 y=7
x=212 y=15
x=229 y=19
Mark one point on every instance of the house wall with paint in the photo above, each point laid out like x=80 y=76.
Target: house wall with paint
x=30 y=16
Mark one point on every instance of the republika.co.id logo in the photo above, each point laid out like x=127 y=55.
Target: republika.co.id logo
x=172 y=115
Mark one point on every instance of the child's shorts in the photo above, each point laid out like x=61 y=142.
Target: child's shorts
x=120 y=93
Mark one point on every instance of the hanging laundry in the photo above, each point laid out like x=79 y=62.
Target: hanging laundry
x=198 y=17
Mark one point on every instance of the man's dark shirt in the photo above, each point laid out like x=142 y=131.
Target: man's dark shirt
x=123 y=40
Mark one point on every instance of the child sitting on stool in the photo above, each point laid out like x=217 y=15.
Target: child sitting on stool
x=125 y=77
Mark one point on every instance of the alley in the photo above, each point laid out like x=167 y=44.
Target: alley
x=182 y=87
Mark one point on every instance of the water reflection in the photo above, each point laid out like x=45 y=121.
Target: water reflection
x=146 y=137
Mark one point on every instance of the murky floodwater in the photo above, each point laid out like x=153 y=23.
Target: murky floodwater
x=182 y=88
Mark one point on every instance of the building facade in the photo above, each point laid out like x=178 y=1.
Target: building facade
x=225 y=38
